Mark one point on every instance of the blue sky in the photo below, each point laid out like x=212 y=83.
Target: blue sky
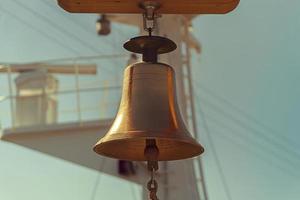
x=247 y=93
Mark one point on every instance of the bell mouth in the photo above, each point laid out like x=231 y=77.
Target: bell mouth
x=132 y=149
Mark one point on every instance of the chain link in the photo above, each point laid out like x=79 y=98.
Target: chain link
x=151 y=152
x=152 y=186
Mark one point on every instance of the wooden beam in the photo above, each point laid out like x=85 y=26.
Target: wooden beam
x=167 y=6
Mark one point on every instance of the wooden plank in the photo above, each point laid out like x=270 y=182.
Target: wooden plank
x=167 y=6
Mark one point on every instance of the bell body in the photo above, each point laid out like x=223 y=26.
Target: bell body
x=148 y=111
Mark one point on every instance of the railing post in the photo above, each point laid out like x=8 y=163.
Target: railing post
x=77 y=92
x=11 y=97
x=104 y=97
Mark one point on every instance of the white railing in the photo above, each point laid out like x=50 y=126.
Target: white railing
x=88 y=88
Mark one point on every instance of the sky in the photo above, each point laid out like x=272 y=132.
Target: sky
x=247 y=94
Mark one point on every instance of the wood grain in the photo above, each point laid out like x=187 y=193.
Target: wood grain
x=167 y=6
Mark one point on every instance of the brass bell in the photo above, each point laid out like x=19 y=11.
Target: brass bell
x=148 y=110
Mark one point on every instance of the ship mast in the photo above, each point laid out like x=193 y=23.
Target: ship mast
x=176 y=28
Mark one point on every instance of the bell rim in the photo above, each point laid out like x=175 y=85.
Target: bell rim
x=191 y=143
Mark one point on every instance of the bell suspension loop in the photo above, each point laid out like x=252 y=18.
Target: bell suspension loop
x=150 y=16
x=150 y=46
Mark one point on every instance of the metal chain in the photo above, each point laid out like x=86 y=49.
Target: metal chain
x=152 y=186
x=151 y=152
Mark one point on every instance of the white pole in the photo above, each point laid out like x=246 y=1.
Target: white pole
x=182 y=182
x=192 y=108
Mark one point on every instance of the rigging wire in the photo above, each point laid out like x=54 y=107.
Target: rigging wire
x=273 y=147
x=58 y=27
x=246 y=115
x=50 y=5
x=62 y=44
x=215 y=153
x=85 y=28
x=217 y=160
x=44 y=33
x=263 y=157
x=262 y=136
x=98 y=179
x=61 y=29
x=267 y=135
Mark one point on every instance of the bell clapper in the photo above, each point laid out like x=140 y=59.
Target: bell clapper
x=151 y=153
